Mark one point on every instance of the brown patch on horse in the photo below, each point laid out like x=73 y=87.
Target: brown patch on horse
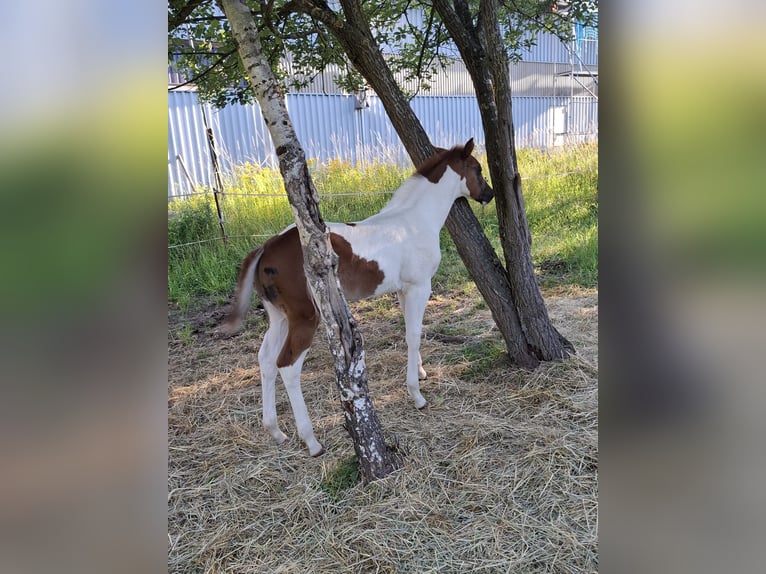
x=434 y=167
x=281 y=280
x=299 y=337
x=358 y=276
x=282 y=258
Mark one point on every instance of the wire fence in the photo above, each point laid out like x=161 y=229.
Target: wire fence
x=265 y=195
x=224 y=237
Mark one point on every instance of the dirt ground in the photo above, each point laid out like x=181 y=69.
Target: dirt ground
x=500 y=471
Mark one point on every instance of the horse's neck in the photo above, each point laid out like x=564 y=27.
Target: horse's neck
x=423 y=203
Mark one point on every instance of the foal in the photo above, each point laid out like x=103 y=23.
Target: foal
x=394 y=250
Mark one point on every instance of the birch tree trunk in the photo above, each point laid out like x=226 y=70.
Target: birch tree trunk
x=320 y=262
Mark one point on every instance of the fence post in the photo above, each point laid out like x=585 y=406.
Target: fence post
x=218 y=185
x=186 y=173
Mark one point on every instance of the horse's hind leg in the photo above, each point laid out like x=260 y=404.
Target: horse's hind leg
x=267 y=361
x=290 y=362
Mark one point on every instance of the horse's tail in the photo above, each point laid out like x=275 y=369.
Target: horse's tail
x=235 y=319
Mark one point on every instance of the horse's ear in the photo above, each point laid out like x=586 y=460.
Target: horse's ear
x=468 y=148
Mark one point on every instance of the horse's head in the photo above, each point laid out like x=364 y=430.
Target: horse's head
x=460 y=160
x=474 y=184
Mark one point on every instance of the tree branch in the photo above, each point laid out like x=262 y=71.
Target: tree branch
x=204 y=73
x=536 y=18
x=457 y=19
x=418 y=67
x=317 y=9
x=182 y=12
x=194 y=53
x=207 y=19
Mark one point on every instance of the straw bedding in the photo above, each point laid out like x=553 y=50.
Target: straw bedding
x=500 y=471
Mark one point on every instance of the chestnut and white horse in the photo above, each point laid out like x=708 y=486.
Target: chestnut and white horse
x=394 y=250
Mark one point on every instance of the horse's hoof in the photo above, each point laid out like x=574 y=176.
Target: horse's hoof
x=280 y=439
x=228 y=329
x=319 y=453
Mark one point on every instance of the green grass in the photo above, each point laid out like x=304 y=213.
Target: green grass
x=562 y=211
x=480 y=358
x=340 y=478
x=563 y=215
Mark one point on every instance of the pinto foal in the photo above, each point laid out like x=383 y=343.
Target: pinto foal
x=394 y=250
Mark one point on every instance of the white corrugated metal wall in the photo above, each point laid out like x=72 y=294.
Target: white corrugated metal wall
x=330 y=127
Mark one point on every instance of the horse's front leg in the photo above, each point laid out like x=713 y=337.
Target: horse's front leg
x=413 y=300
x=402 y=303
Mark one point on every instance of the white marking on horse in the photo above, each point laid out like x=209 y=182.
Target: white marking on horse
x=396 y=250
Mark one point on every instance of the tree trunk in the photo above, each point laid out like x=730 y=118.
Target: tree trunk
x=515 y=238
x=477 y=253
x=484 y=55
x=320 y=262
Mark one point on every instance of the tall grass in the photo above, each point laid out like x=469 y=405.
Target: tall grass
x=562 y=211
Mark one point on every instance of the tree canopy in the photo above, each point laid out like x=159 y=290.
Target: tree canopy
x=298 y=44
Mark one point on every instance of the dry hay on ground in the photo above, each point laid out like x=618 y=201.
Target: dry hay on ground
x=500 y=474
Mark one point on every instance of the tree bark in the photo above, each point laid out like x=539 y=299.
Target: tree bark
x=320 y=262
x=486 y=270
x=484 y=55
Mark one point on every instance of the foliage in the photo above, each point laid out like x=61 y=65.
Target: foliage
x=298 y=46
x=203 y=50
x=190 y=220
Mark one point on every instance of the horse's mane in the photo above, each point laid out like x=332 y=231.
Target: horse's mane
x=435 y=166
x=432 y=169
